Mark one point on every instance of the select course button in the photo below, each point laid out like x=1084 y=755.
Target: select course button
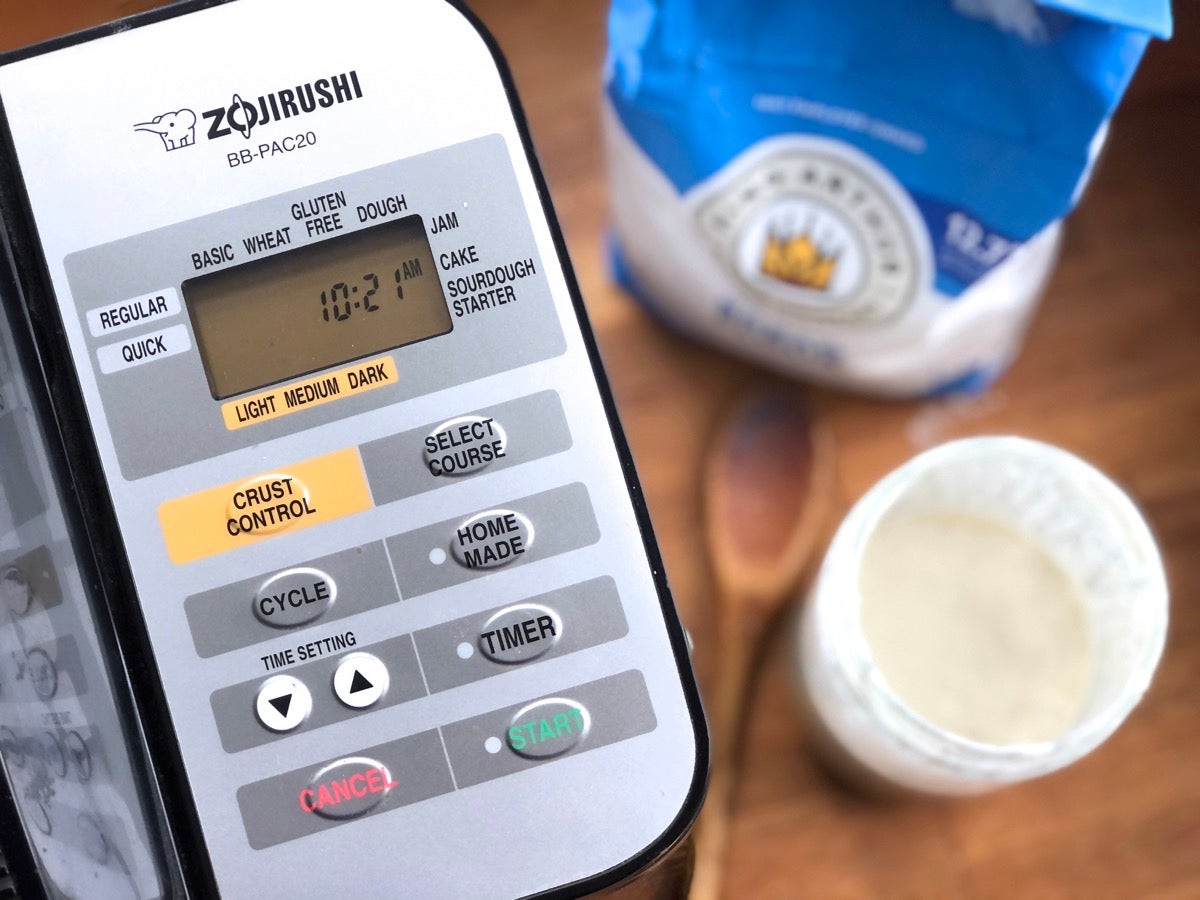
x=464 y=445
x=347 y=789
x=548 y=728
x=294 y=597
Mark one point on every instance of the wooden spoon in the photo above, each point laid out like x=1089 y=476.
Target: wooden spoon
x=767 y=486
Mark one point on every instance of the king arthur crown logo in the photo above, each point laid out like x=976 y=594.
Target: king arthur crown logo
x=797 y=260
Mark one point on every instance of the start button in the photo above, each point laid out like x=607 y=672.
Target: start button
x=254 y=509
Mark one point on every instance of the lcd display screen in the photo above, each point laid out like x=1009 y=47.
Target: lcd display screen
x=319 y=305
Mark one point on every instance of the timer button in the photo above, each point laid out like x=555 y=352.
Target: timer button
x=521 y=633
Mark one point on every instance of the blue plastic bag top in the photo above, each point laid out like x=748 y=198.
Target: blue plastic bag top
x=968 y=112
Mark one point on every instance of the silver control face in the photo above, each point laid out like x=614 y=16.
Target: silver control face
x=153 y=385
x=381 y=537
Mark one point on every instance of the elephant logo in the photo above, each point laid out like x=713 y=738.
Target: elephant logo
x=177 y=129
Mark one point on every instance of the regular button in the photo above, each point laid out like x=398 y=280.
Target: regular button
x=283 y=703
x=548 y=728
x=360 y=680
x=294 y=597
x=492 y=539
x=347 y=788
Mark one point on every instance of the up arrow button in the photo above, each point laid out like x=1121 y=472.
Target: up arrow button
x=360 y=680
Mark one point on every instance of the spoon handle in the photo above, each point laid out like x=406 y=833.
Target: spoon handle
x=737 y=639
x=766 y=488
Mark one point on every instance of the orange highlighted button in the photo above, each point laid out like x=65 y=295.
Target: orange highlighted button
x=244 y=512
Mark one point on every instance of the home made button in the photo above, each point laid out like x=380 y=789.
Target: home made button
x=347 y=788
x=492 y=539
x=294 y=597
x=548 y=728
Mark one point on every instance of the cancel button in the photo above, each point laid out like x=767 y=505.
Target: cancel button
x=347 y=789
x=294 y=597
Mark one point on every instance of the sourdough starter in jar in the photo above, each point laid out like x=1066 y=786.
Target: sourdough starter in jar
x=975 y=627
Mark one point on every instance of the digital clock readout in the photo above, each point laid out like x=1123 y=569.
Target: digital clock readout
x=320 y=305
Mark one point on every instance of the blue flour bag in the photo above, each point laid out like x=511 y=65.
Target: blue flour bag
x=868 y=192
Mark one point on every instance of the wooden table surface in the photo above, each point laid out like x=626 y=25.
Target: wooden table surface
x=1110 y=371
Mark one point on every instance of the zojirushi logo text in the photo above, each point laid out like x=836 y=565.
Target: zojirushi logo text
x=243 y=114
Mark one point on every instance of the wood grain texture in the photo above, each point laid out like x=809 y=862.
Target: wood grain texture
x=1110 y=370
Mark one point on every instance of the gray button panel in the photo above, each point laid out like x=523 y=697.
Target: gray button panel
x=562 y=519
x=590 y=614
x=232 y=705
x=397 y=466
x=224 y=619
x=285 y=807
